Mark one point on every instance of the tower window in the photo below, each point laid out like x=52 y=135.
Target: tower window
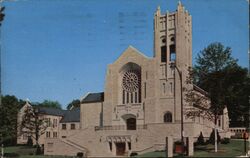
x=164 y=88
x=171 y=87
x=163 y=40
x=163 y=54
x=168 y=117
x=172 y=39
x=172 y=52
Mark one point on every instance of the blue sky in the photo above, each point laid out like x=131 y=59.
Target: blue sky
x=59 y=49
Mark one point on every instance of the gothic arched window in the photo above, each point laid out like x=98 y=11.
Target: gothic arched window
x=168 y=117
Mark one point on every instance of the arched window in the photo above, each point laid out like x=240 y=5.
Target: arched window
x=168 y=117
x=131 y=124
x=130 y=83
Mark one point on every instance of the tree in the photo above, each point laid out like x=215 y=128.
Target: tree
x=1 y=14
x=214 y=58
x=8 y=112
x=200 y=140
x=33 y=125
x=210 y=74
x=50 y=104
x=215 y=66
x=75 y=103
x=211 y=137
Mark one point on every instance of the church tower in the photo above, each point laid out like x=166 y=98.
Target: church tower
x=172 y=45
x=173 y=37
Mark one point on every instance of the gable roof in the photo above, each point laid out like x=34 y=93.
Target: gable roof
x=93 y=98
x=71 y=116
x=51 y=111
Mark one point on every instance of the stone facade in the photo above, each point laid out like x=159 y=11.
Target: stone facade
x=141 y=104
x=54 y=122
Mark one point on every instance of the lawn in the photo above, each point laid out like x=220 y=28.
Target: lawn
x=25 y=152
x=233 y=149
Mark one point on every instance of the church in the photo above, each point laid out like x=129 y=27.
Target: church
x=143 y=101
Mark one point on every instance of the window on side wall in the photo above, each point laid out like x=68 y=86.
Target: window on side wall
x=54 y=134
x=47 y=134
x=64 y=127
x=72 y=126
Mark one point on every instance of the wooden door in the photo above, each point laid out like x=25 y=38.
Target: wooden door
x=120 y=148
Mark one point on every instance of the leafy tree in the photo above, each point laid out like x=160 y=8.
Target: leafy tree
x=213 y=73
x=30 y=141
x=50 y=104
x=237 y=92
x=33 y=125
x=211 y=59
x=8 y=112
x=1 y=14
x=218 y=73
x=75 y=103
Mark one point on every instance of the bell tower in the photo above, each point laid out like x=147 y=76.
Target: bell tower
x=173 y=37
x=172 y=45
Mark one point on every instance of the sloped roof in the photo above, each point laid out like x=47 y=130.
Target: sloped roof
x=67 y=115
x=198 y=89
x=51 y=111
x=71 y=116
x=93 y=97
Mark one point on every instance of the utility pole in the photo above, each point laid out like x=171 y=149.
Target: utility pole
x=174 y=66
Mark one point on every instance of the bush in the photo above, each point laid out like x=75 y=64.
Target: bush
x=80 y=154
x=11 y=155
x=211 y=138
x=200 y=140
x=133 y=154
x=30 y=141
x=225 y=141
x=38 y=150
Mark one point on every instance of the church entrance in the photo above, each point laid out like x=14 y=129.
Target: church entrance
x=120 y=148
x=131 y=124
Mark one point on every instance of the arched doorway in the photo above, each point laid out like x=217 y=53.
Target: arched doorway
x=131 y=123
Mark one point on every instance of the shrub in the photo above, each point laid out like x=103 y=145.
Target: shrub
x=38 y=150
x=211 y=138
x=133 y=154
x=30 y=141
x=80 y=154
x=225 y=141
x=200 y=140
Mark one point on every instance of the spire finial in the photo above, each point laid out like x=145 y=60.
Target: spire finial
x=179 y=2
x=158 y=8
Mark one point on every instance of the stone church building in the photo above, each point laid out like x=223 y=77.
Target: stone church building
x=141 y=103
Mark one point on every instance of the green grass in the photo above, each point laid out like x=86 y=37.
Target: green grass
x=25 y=152
x=233 y=149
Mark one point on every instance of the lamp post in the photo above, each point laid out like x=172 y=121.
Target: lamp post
x=173 y=66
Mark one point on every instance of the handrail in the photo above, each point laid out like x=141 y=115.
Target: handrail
x=118 y=127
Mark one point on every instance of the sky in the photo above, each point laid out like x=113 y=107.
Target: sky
x=59 y=49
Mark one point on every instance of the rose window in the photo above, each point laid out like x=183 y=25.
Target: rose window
x=130 y=81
